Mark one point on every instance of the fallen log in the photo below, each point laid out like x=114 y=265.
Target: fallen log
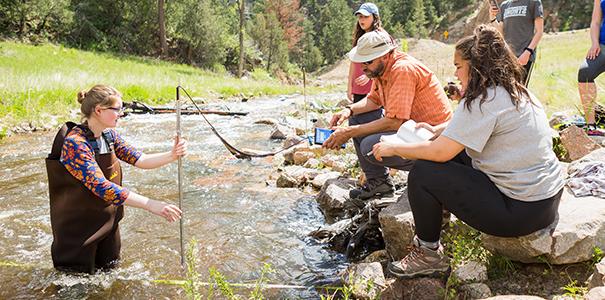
x=142 y=108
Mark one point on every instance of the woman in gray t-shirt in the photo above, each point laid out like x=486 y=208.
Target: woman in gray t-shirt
x=507 y=182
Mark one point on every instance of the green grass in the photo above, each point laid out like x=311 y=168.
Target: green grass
x=555 y=77
x=37 y=82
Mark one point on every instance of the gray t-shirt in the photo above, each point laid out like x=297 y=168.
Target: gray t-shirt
x=518 y=17
x=513 y=147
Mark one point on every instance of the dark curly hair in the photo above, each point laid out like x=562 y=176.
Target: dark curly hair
x=492 y=63
x=358 y=32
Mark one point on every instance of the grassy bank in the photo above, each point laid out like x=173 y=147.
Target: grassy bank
x=38 y=82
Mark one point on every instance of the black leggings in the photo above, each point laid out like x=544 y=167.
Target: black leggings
x=592 y=68
x=473 y=198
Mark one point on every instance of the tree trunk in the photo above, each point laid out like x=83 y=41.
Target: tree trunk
x=240 y=68
x=162 y=26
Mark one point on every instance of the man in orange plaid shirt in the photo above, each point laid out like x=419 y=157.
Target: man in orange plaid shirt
x=403 y=89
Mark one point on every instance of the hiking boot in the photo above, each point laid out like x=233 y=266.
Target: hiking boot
x=420 y=261
x=373 y=187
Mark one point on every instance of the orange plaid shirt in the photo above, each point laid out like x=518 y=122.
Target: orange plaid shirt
x=409 y=90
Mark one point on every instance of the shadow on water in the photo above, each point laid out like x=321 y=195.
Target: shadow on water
x=239 y=221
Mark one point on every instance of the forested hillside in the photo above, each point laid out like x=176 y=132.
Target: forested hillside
x=277 y=35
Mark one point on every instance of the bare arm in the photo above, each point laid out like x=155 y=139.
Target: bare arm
x=167 y=211
x=350 y=83
x=595 y=30
x=362 y=106
x=441 y=149
x=538 y=32
x=156 y=160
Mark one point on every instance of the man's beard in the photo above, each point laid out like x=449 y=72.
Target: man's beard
x=377 y=72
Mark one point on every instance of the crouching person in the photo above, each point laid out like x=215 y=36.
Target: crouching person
x=512 y=183
x=85 y=184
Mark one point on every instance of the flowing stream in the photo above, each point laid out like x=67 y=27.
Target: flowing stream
x=239 y=222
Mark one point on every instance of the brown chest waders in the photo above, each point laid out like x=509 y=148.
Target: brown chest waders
x=85 y=227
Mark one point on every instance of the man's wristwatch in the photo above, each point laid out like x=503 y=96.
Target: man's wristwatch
x=531 y=51
x=350 y=109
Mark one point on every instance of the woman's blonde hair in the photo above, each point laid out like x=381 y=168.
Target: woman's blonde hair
x=99 y=94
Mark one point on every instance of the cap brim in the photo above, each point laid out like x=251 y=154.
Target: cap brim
x=356 y=57
x=363 y=12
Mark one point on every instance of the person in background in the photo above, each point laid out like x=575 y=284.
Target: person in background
x=406 y=89
x=522 y=24
x=592 y=67
x=368 y=19
x=492 y=165
x=87 y=198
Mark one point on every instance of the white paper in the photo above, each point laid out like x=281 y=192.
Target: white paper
x=408 y=133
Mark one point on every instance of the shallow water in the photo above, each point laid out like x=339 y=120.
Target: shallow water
x=239 y=222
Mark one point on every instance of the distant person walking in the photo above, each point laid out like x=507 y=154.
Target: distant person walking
x=592 y=67
x=522 y=24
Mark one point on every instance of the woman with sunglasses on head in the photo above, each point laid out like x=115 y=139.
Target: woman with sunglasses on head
x=493 y=165
x=85 y=184
x=368 y=19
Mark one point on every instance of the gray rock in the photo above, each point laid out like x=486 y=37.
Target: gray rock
x=580 y=226
x=292 y=140
x=294 y=176
x=313 y=163
x=332 y=198
x=597 y=293
x=285 y=180
x=322 y=178
x=598 y=277
x=366 y=280
x=471 y=271
x=397 y=224
x=301 y=157
x=280 y=132
x=476 y=290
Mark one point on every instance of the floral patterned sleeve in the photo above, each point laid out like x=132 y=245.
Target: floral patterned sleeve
x=124 y=151
x=78 y=158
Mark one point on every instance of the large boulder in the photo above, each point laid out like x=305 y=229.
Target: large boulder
x=580 y=226
x=320 y=180
x=397 y=224
x=333 y=196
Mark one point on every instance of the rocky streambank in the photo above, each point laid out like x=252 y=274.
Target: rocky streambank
x=562 y=261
